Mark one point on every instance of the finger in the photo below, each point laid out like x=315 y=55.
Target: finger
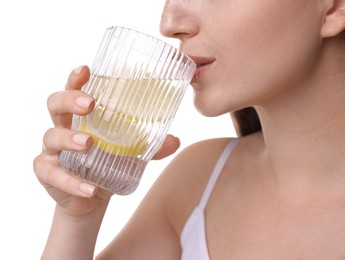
x=52 y=176
x=57 y=139
x=77 y=78
x=62 y=105
x=170 y=145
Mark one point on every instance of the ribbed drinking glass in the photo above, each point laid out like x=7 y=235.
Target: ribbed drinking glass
x=138 y=83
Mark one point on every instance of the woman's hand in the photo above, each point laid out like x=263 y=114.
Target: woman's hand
x=72 y=194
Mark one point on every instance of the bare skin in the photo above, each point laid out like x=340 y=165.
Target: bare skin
x=281 y=193
x=76 y=199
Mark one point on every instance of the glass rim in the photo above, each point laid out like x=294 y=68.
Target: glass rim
x=153 y=38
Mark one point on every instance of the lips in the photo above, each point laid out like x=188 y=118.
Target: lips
x=203 y=64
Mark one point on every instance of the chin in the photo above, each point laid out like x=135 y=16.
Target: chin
x=213 y=105
x=207 y=109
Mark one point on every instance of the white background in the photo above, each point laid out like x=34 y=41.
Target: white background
x=41 y=41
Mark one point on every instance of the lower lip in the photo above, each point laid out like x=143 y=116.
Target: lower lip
x=200 y=71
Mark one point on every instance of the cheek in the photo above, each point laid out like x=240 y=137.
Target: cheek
x=260 y=50
x=268 y=49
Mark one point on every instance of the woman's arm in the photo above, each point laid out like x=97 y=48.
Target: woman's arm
x=73 y=237
x=150 y=233
x=80 y=206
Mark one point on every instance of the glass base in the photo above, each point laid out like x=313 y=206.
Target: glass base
x=117 y=174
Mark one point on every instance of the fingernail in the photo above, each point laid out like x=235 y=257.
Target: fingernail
x=84 y=102
x=80 y=139
x=87 y=189
x=77 y=71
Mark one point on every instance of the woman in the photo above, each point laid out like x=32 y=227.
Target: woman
x=272 y=194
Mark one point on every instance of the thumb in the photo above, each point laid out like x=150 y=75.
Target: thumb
x=170 y=145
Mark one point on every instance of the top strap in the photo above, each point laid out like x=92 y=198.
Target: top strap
x=217 y=171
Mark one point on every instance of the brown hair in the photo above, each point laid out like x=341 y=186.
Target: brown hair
x=246 y=121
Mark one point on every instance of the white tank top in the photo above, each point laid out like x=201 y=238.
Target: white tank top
x=193 y=236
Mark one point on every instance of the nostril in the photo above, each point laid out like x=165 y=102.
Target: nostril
x=177 y=21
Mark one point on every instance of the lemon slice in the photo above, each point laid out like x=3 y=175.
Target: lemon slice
x=121 y=141
x=125 y=111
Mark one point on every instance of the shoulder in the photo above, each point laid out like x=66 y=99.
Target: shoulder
x=195 y=163
x=184 y=179
x=204 y=152
x=207 y=152
x=156 y=224
x=164 y=210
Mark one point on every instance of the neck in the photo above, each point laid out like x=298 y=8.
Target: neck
x=303 y=132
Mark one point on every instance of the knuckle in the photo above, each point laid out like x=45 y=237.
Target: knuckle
x=51 y=100
x=42 y=169
x=48 y=134
x=36 y=163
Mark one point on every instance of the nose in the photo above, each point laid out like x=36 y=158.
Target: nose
x=178 y=21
